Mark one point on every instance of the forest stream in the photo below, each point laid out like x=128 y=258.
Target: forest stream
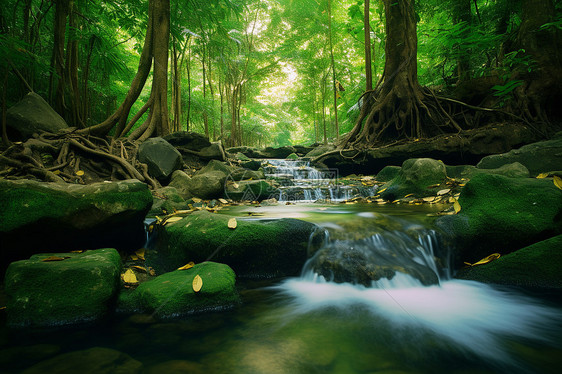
x=330 y=320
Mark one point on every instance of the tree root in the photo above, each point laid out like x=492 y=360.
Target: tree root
x=73 y=158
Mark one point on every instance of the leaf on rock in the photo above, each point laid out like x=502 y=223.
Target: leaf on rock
x=197 y=283
x=139 y=268
x=79 y=172
x=223 y=201
x=443 y=192
x=542 y=175
x=130 y=277
x=457 y=206
x=189 y=265
x=54 y=258
x=429 y=199
x=485 y=260
x=558 y=181
x=173 y=219
x=140 y=253
x=232 y=223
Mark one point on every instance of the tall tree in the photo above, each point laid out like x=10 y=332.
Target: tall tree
x=368 y=63
x=398 y=107
x=155 y=49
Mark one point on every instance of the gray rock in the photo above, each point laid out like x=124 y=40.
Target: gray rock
x=180 y=181
x=212 y=152
x=538 y=157
x=207 y=185
x=161 y=157
x=320 y=150
x=81 y=287
x=32 y=115
x=39 y=217
x=188 y=140
x=166 y=199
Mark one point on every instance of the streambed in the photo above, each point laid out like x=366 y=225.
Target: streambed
x=308 y=324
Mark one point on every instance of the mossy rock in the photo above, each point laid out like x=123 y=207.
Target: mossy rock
x=172 y=295
x=388 y=173
x=250 y=190
x=536 y=266
x=93 y=216
x=293 y=156
x=80 y=288
x=502 y=214
x=416 y=176
x=513 y=170
x=255 y=248
x=166 y=199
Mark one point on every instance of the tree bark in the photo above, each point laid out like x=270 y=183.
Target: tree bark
x=462 y=14
x=57 y=61
x=368 y=63
x=333 y=65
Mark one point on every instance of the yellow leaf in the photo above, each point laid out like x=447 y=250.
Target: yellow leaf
x=542 y=175
x=443 y=192
x=140 y=253
x=134 y=257
x=380 y=191
x=189 y=265
x=232 y=223
x=485 y=260
x=408 y=195
x=429 y=199
x=223 y=201
x=140 y=268
x=173 y=219
x=558 y=181
x=80 y=172
x=130 y=277
x=196 y=200
x=197 y=283
x=54 y=258
x=457 y=206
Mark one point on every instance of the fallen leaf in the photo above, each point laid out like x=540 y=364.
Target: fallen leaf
x=140 y=268
x=408 y=195
x=189 y=265
x=457 y=206
x=140 y=253
x=558 y=181
x=429 y=199
x=197 y=283
x=80 y=172
x=485 y=260
x=173 y=219
x=542 y=175
x=443 y=192
x=133 y=257
x=130 y=277
x=381 y=191
x=232 y=223
x=54 y=258
x=223 y=201
x=196 y=200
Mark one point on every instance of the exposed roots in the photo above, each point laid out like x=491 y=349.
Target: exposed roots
x=73 y=158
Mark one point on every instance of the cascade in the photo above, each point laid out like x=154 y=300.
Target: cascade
x=299 y=181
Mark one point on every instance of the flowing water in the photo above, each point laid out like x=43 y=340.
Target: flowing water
x=377 y=297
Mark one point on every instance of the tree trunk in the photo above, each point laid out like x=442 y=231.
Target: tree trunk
x=396 y=108
x=462 y=14
x=541 y=95
x=368 y=63
x=72 y=70
x=57 y=60
x=333 y=65
x=205 y=116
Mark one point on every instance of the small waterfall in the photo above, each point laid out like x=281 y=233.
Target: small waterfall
x=379 y=252
x=300 y=182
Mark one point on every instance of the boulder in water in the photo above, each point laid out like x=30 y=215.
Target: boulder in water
x=40 y=217
x=62 y=288
x=172 y=294
x=255 y=248
x=537 y=266
x=32 y=115
x=501 y=214
x=416 y=176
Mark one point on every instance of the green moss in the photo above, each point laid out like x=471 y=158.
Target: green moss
x=255 y=248
x=501 y=214
x=172 y=294
x=536 y=266
x=415 y=176
x=388 y=173
x=80 y=288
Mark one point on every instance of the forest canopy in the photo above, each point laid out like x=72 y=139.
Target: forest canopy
x=279 y=72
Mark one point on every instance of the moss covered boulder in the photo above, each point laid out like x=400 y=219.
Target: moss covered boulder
x=536 y=266
x=416 y=176
x=62 y=288
x=255 y=248
x=502 y=214
x=171 y=294
x=39 y=217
